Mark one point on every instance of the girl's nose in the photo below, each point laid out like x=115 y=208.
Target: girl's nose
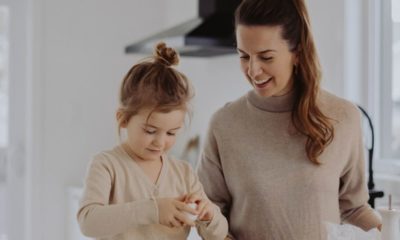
x=159 y=141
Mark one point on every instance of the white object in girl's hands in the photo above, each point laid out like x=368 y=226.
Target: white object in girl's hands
x=189 y=215
x=390 y=222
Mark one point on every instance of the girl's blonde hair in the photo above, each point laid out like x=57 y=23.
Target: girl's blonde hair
x=292 y=16
x=154 y=83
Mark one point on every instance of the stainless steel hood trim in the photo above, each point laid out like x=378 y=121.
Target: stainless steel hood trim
x=209 y=34
x=173 y=37
x=176 y=38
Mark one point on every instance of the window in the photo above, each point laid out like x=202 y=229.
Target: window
x=396 y=78
x=390 y=80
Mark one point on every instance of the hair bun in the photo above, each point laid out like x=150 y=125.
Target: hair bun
x=165 y=55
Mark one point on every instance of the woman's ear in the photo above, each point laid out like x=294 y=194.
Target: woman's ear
x=296 y=58
x=296 y=54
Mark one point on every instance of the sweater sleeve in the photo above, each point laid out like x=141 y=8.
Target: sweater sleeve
x=353 y=192
x=211 y=174
x=97 y=217
x=217 y=228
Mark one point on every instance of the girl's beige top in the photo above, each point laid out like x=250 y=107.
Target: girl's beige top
x=118 y=201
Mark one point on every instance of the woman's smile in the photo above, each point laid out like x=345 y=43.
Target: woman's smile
x=262 y=83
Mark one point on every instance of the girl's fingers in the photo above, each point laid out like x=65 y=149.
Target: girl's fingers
x=203 y=213
x=202 y=209
x=182 y=217
x=175 y=223
x=193 y=199
x=182 y=198
x=184 y=207
x=201 y=205
x=208 y=211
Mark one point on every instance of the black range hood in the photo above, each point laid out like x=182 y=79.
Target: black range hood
x=210 y=34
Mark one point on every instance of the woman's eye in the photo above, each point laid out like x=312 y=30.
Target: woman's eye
x=244 y=57
x=266 y=58
x=171 y=133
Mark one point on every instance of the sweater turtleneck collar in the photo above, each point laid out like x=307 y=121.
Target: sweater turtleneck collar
x=276 y=104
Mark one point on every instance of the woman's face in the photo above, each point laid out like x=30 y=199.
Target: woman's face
x=265 y=59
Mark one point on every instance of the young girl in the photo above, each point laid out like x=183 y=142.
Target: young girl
x=135 y=191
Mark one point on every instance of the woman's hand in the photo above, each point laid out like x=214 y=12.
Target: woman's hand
x=171 y=213
x=204 y=206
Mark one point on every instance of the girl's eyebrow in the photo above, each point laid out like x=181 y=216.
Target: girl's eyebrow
x=260 y=52
x=152 y=126
x=149 y=125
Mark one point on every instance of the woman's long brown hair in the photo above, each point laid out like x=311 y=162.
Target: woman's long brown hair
x=292 y=16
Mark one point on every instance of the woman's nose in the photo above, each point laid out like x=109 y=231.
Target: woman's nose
x=254 y=69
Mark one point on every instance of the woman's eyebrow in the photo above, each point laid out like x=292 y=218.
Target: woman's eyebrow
x=260 y=52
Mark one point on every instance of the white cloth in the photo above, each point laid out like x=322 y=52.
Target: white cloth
x=351 y=232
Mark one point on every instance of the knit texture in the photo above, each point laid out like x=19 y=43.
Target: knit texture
x=255 y=167
x=118 y=201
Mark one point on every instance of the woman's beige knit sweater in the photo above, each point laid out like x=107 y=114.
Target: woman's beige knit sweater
x=255 y=168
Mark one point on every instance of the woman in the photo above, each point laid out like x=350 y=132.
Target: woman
x=285 y=159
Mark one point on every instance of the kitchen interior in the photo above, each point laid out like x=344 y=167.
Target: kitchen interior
x=61 y=63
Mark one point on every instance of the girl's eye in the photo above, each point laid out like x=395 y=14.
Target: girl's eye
x=171 y=134
x=244 y=57
x=149 y=131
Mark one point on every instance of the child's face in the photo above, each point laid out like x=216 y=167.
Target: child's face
x=149 y=138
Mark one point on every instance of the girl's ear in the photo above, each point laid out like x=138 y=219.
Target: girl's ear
x=119 y=116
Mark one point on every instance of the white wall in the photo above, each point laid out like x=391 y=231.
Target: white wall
x=16 y=154
x=78 y=63
x=327 y=20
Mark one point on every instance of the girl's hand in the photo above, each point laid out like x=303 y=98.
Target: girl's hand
x=171 y=213
x=204 y=206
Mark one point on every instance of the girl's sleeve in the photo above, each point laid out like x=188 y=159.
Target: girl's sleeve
x=211 y=174
x=98 y=218
x=217 y=227
x=353 y=192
